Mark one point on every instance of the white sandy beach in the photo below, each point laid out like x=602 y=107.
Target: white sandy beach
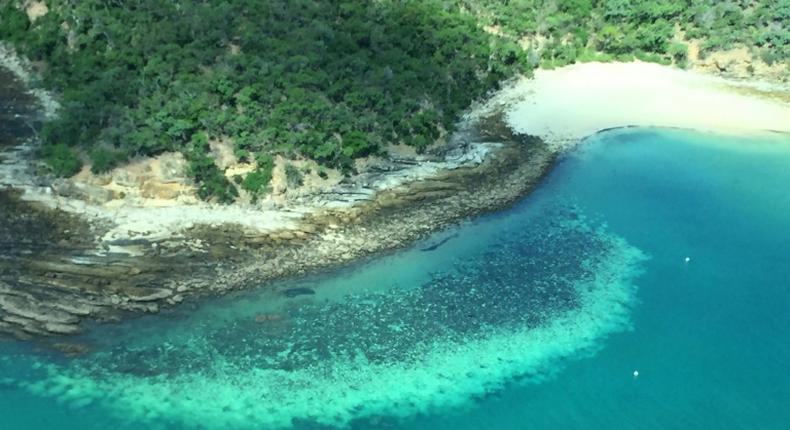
x=565 y=105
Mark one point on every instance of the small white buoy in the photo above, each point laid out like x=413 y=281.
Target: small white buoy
x=636 y=374
x=688 y=259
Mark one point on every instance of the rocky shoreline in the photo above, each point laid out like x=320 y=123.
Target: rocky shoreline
x=54 y=283
x=68 y=261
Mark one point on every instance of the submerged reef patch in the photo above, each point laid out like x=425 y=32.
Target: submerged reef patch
x=551 y=290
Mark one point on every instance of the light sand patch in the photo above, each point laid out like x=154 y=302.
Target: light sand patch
x=35 y=10
x=564 y=105
x=222 y=151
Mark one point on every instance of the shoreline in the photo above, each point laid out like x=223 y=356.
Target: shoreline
x=209 y=260
x=514 y=139
x=563 y=106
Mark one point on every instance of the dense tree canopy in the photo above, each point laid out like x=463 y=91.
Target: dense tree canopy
x=328 y=80
x=571 y=30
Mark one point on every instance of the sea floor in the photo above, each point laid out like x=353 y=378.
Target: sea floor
x=661 y=252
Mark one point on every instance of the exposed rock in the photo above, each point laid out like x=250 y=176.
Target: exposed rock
x=98 y=269
x=738 y=62
x=171 y=168
x=165 y=191
x=222 y=152
x=153 y=295
x=75 y=308
x=57 y=328
x=81 y=191
x=67 y=285
x=27 y=309
x=123 y=178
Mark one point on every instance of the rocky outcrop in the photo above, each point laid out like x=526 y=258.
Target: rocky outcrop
x=739 y=62
x=81 y=191
x=58 y=271
x=56 y=280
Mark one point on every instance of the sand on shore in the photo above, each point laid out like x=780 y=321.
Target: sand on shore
x=563 y=106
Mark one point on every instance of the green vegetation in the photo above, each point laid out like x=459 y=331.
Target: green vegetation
x=61 y=159
x=105 y=159
x=212 y=182
x=257 y=181
x=328 y=80
x=572 y=30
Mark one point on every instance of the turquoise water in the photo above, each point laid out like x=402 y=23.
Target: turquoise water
x=535 y=317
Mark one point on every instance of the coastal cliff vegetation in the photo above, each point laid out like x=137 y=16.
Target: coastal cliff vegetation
x=560 y=32
x=330 y=81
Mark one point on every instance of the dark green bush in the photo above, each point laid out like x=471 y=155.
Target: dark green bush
x=257 y=181
x=642 y=28
x=104 y=159
x=212 y=183
x=358 y=144
x=679 y=53
x=61 y=160
x=14 y=22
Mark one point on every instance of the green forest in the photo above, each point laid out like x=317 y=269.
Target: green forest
x=328 y=80
x=584 y=30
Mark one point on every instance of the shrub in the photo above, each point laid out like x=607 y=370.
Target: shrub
x=293 y=177
x=354 y=75
x=679 y=53
x=14 y=21
x=104 y=159
x=257 y=181
x=61 y=160
x=212 y=183
x=358 y=144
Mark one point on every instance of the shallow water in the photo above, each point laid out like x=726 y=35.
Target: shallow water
x=536 y=316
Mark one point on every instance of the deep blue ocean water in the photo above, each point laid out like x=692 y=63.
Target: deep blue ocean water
x=665 y=252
